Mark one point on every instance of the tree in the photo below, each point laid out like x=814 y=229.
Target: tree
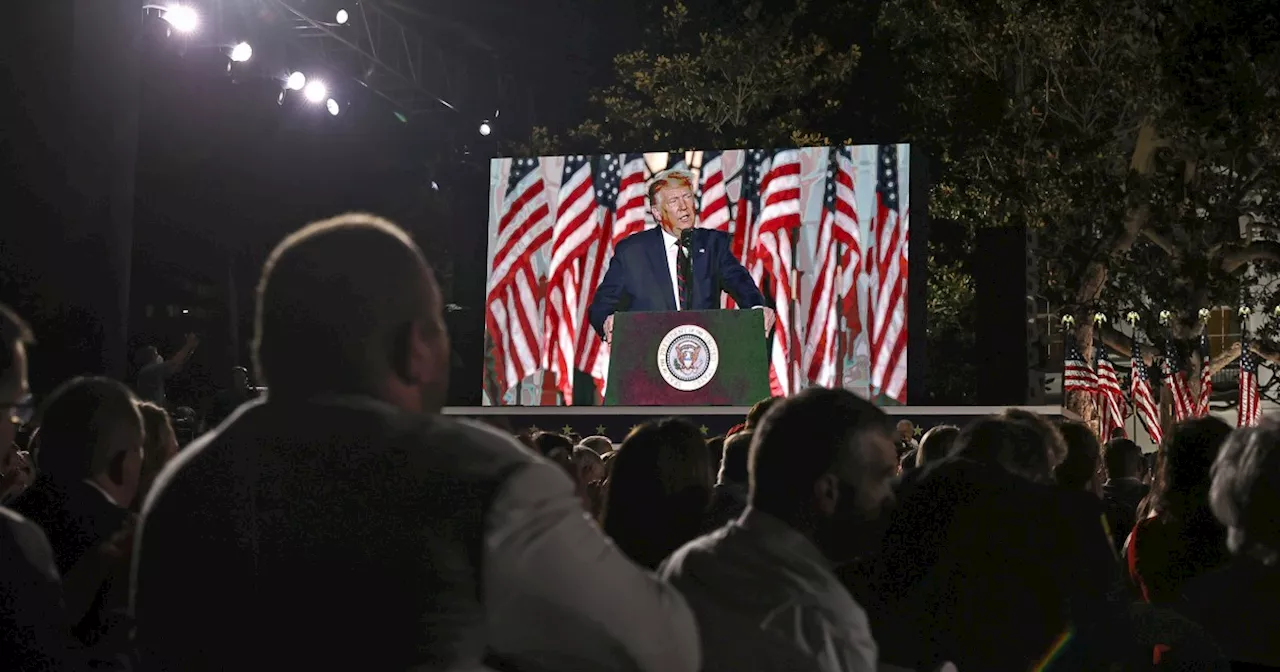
x=726 y=74
x=1136 y=135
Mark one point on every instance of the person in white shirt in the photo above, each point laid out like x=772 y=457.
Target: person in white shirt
x=821 y=467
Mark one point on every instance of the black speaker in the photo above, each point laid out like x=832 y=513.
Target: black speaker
x=1007 y=334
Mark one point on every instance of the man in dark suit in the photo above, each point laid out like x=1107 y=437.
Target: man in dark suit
x=674 y=266
x=343 y=523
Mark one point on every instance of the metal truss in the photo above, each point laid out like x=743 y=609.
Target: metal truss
x=379 y=51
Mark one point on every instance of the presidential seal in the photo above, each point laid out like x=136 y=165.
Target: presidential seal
x=688 y=357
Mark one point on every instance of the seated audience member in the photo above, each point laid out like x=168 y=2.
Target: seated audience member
x=820 y=467
x=986 y=564
x=659 y=489
x=936 y=444
x=34 y=631
x=729 y=497
x=1239 y=604
x=225 y=402
x=1079 y=470
x=1182 y=539
x=343 y=523
x=160 y=446
x=715 y=451
x=757 y=412
x=1123 y=489
x=906 y=439
x=588 y=468
x=1055 y=445
x=601 y=444
x=555 y=447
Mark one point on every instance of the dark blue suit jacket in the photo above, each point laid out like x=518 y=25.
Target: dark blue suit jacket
x=639 y=277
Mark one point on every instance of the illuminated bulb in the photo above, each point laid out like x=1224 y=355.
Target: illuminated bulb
x=183 y=19
x=241 y=52
x=315 y=92
x=332 y=106
x=296 y=81
x=485 y=128
x=342 y=16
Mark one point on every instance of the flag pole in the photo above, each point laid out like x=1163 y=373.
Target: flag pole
x=1135 y=355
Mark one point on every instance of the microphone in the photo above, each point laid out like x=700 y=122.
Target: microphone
x=686 y=239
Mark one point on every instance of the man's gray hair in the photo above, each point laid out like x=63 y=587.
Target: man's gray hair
x=1245 y=494
x=668 y=178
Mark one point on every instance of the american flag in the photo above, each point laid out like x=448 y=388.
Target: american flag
x=629 y=206
x=1144 y=402
x=713 y=198
x=576 y=228
x=1110 y=394
x=1206 y=377
x=512 y=318
x=1176 y=380
x=839 y=226
x=1077 y=375
x=779 y=216
x=745 y=231
x=1249 y=411
x=889 y=316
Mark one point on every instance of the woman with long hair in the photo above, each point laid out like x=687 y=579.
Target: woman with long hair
x=659 y=489
x=1179 y=538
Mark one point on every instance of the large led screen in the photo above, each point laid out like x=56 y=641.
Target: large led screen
x=818 y=236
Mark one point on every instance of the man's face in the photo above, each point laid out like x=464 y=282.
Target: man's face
x=674 y=208
x=13 y=387
x=865 y=475
x=906 y=430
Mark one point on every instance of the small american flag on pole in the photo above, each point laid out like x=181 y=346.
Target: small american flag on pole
x=1143 y=401
x=512 y=318
x=1077 y=375
x=1176 y=380
x=1206 y=377
x=1110 y=394
x=1249 y=411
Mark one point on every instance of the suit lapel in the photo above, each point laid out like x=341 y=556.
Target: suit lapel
x=661 y=269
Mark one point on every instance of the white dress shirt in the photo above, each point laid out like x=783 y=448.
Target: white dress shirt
x=560 y=596
x=766 y=599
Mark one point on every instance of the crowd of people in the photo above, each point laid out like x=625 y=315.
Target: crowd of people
x=343 y=523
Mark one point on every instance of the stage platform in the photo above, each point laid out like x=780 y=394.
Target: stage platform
x=615 y=421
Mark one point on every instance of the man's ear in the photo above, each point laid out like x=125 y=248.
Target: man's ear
x=115 y=467
x=401 y=355
x=826 y=493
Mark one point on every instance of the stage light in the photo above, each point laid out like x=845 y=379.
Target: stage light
x=485 y=128
x=342 y=16
x=296 y=81
x=315 y=92
x=332 y=106
x=183 y=19
x=241 y=52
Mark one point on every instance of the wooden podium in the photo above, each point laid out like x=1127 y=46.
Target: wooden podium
x=688 y=358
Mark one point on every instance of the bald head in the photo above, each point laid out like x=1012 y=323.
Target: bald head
x=349 y=305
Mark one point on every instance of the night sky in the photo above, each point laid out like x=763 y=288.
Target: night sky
x=224 y=171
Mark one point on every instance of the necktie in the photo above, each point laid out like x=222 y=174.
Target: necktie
x=684 y=268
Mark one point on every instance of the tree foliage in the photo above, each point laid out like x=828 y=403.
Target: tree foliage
x=1138 y=136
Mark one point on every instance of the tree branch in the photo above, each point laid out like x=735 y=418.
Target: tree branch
x=1123 y=344
x=1222 y=359
x=1160 y=241
x=1258 y=250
